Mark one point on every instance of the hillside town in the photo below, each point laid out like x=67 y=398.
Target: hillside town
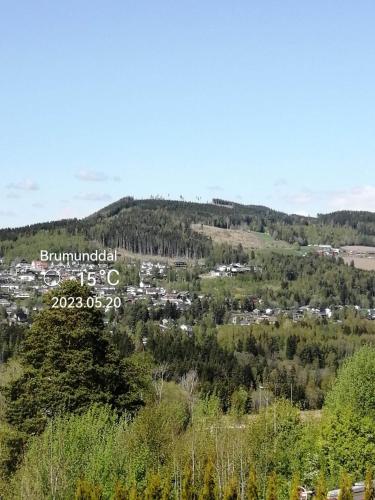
x=23 y=284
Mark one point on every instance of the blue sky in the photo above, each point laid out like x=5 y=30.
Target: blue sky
x=263 y=102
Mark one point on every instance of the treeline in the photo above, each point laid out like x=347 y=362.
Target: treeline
x=154 y=232
x=180 y=446
x=10 y=340
x=297 y=361
x=163 y=227
x=287 y=281
x=363 y=222
x=317 y=281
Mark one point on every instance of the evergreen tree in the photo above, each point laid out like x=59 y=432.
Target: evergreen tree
x=369 y=486
x=231 y=490
x=209 y=489
x=87 y=491
x=346 y=492
x=166 y=489
x=321 y=488
x=272 y=487
x=133 y=493
x=187 y=490
x=294 y=488
x=154 y=488
x=252 y=485
x=121 y=492
x=70 y=364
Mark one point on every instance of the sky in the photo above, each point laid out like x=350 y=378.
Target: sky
x=259 y=102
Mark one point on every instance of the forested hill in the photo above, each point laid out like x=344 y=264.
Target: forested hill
x=164 y=227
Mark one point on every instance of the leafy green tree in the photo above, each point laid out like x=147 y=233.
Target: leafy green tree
x=91 y=445
x=349 y=416
x=209 y=489
x=239 y=401
x=272 y=487
x=252 y=485
x=70 y=364
x=345 y=488
x=369 y=485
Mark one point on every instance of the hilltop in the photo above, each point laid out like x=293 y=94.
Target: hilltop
x=176 y=228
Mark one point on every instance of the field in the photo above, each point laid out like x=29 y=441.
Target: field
x=365 y=263
x=248 y=239
x=362 y=256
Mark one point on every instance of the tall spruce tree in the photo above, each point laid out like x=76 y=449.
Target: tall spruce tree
x=209 y=489
x=369 y=486
x=154 y=487
x=231 y=490
x=321 y=488
x=252 y=485
x=294 y=488
x=272 y=487
x=69 y=364
x=346 y=492
x=187 y=490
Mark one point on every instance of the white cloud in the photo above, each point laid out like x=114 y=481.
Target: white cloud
x=24 y=185
x=93 y=197
x=38 y=205
x=357 y=198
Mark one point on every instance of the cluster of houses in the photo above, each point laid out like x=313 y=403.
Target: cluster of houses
x=326 y=250
x=234 y=269
x=22 y=282
x=270 y=316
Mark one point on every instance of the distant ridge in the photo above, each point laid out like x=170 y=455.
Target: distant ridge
x=157 y=226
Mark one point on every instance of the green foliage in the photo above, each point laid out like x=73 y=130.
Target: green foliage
x=70 y=364
x=369 y=486
x=209 y=489
x=73 y=447
x=345 y=488
x=272 y=493
x=350 y=417
x=294 y=488
x=354 y=388
x=27 y=242
x=87 y=491
x=252 y=485
x=231 y=490
x=154 y=489
x=321 y=488
x=12 y=445
x=10 y=339
x=187 y=488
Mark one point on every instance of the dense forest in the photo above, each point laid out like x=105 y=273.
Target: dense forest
x=92 y=413
x=163 y=227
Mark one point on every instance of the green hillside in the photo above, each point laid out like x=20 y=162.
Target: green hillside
x=165 y=228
